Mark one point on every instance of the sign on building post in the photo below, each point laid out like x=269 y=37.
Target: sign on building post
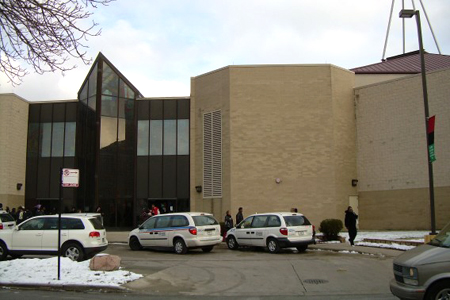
x=68 y=178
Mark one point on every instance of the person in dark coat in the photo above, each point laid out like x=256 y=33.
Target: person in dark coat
x=350 y=224
x=239 y=216
x=228 y=224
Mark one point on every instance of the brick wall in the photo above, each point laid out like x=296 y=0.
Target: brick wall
x=13 y=139
x=392 y=159
x=292 y=122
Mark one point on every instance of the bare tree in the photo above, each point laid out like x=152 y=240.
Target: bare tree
x=44 y=34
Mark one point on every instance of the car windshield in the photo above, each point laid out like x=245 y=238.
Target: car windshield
x=6 y=218
x=443 y=238
x=204 y=220
x=296 y=221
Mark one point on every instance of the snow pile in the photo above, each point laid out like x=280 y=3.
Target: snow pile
x=45 y=271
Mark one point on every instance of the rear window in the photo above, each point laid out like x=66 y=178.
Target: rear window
x=296 y=221
x=6 y=218
x=96 y=223
x=71 y=223
x=204 y=220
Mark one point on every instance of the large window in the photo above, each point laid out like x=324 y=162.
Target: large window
x=158 y=137
x=57 y=139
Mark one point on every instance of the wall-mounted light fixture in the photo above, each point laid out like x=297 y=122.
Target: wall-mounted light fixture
x=278 y=180
x=354 y=182
x=19 y=186
x=198 y=188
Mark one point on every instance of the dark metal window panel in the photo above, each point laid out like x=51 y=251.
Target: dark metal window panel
x=170 y=109
x=183 y=176
x=46 y=113
x=34 y=113
x=71 y=112
x=55 y=176
x=143 y=110
x=184 y=109
x=59 y=112
x=156 y=110
x=43 y=178
x=169 y=176
x=142 y=181
x=155 y=181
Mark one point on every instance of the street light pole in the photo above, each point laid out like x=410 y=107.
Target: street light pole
x=408 y=13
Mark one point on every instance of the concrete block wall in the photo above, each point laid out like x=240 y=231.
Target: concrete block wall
x=392 y=160
x=13 y=139
x=286 y=122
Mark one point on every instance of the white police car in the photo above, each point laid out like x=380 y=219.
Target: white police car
x=274 y=231
x=177 y=231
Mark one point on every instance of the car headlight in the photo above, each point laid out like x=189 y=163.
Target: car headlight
x=410 y=276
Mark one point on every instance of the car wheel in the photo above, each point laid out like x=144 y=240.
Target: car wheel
x=179 y=246
x=302 y=248
x=207 y=249
x=134 y=244
x=3 y=251
x=232 y=243
x=273 y=245
x=438 y=291
x=73 y=251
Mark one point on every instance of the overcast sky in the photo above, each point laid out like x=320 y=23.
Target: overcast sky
x=160 y=44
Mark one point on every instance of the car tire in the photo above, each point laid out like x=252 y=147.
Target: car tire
x=440 y=290
x=273 y=246
x=232 y=243
x=134 y=244
x=207 y=249
x=301 y=249
x=3 y=251
x=179 y=246
x=73 y=251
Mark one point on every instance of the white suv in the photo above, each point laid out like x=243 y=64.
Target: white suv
x=274 y=231
x=81 y=237
x=177 y=231
x=6 y=220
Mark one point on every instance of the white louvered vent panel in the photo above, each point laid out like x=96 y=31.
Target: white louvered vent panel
x=212 y=154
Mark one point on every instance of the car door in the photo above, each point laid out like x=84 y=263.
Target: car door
x=258 y=231
x=146 y=232
x=50 y=233
x=243 y=233
x=162 y=232
x=28 y=236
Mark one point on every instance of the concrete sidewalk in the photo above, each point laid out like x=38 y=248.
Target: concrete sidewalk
x=122 y=237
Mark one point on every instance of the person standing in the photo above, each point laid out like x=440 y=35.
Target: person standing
x=350 y=224
x=239 y=216
x=228 y=222
x=155 y=210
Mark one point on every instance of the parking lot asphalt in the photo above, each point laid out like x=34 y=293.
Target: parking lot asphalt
x=121 y=237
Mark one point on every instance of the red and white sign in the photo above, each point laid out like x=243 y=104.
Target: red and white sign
x=70 y=177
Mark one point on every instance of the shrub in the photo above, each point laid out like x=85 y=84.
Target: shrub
x=331 y=228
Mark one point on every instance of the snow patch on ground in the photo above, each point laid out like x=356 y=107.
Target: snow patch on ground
x=45 y=271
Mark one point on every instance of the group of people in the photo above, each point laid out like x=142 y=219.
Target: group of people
x=149 y=212
x=350 y=222
x=228 y=223
x=21 y=213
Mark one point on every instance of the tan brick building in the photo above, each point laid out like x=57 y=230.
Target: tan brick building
x=288 y=139
x=262 y=137
x=13 y=150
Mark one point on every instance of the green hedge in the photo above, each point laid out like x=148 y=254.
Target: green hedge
x=331 y=228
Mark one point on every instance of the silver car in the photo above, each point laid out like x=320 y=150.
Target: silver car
x=424 y=272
